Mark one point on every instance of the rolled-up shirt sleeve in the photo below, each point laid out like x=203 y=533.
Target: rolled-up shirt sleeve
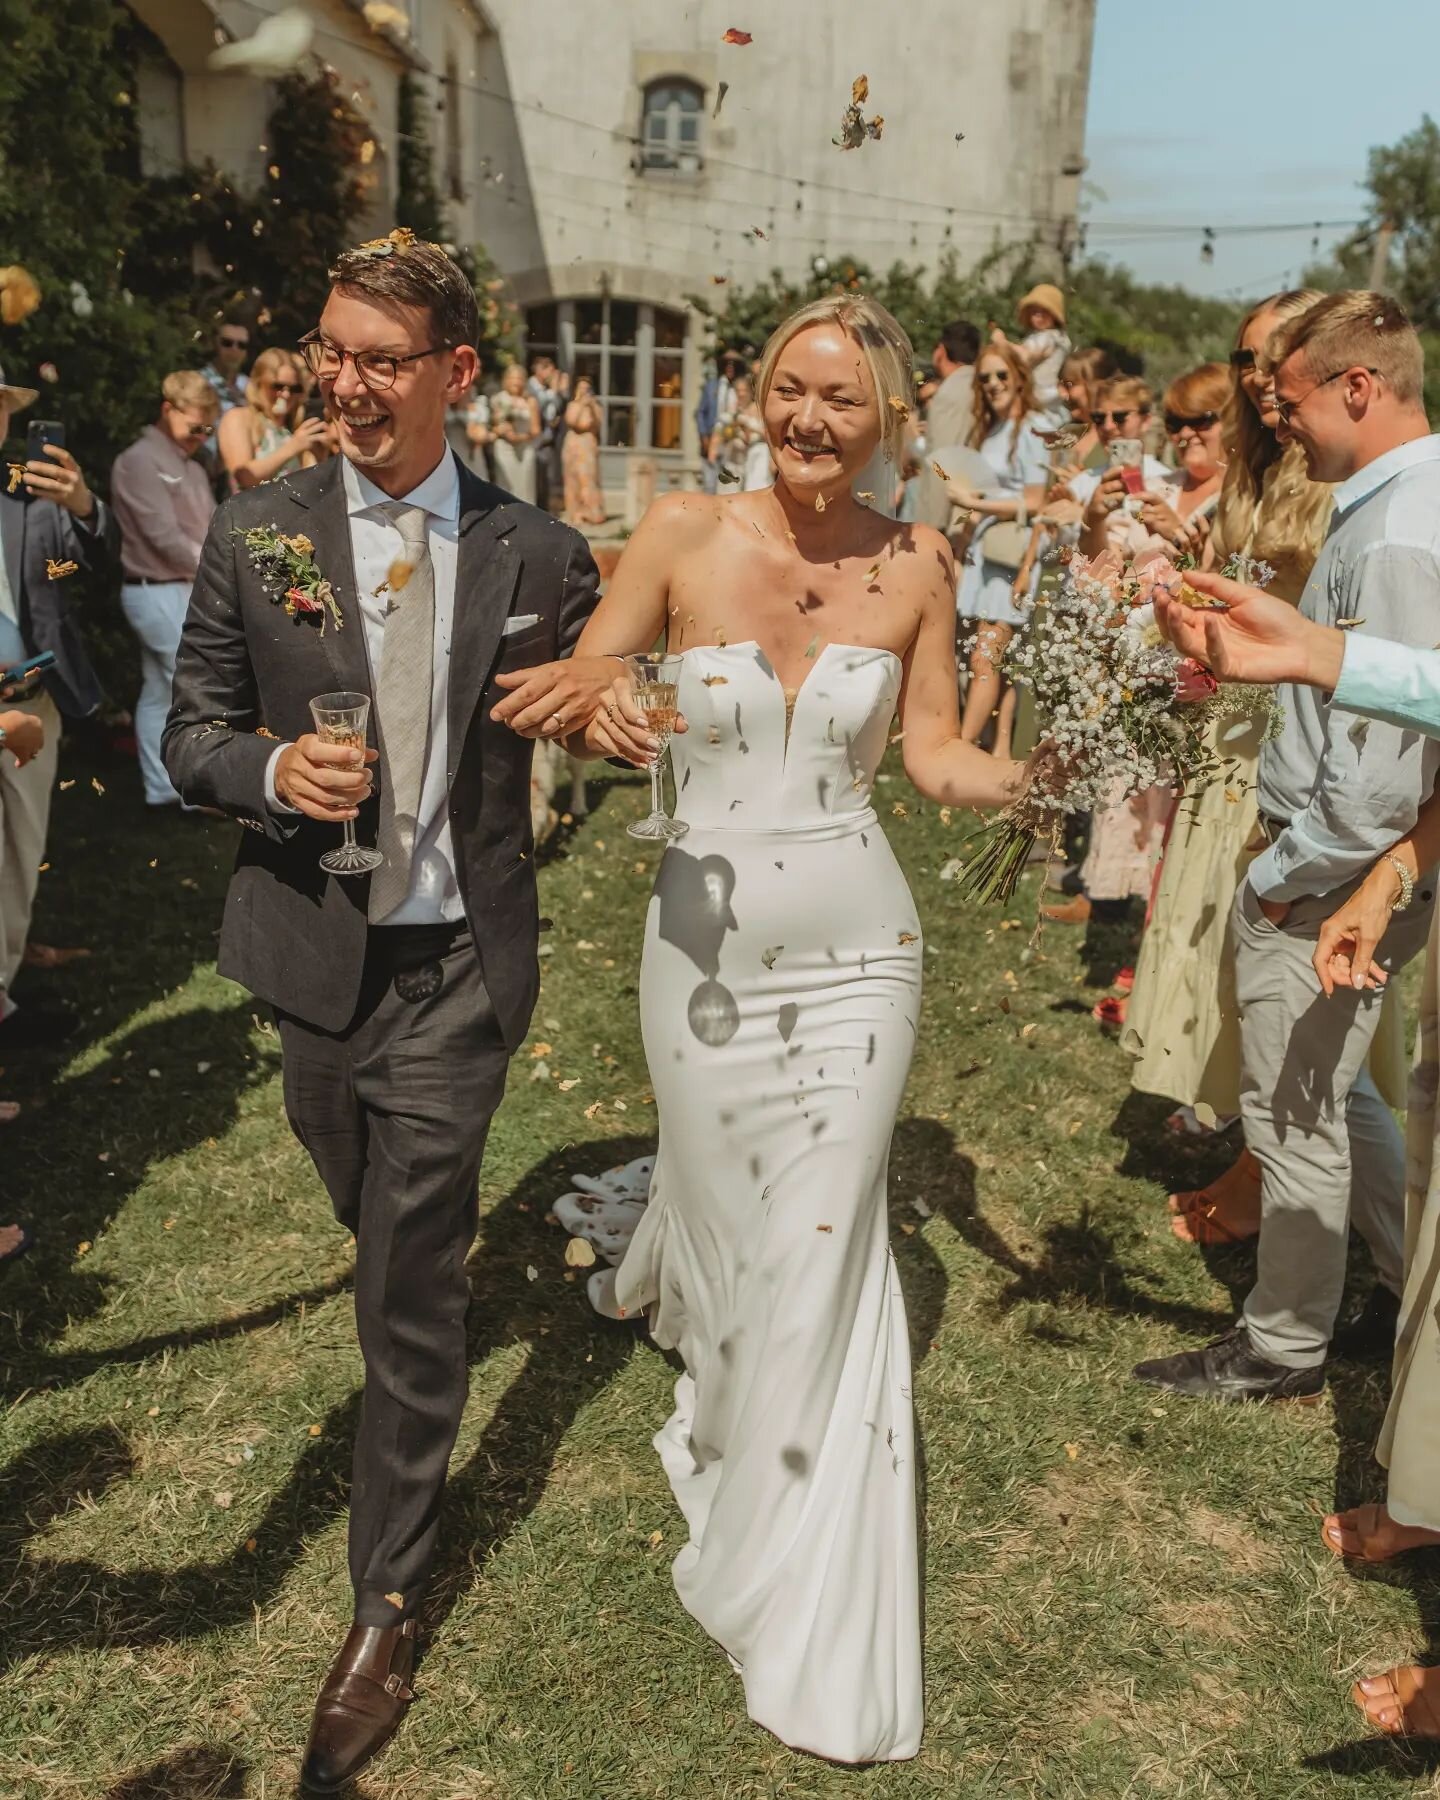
x=1373 y=777
x=1390 y=681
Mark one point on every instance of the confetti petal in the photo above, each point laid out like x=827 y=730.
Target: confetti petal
x=732 y=36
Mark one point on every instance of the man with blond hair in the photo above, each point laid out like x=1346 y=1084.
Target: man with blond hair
x=1335 y=793
x=163 y=500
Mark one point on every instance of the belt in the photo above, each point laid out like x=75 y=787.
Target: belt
x=156 y=580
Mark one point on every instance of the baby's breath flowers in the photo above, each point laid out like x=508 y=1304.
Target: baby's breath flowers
x=1119 y=709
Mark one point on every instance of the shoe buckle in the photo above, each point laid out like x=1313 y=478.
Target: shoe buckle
x=397 y=1689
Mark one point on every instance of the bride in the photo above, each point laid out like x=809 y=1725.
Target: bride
x=780 y=996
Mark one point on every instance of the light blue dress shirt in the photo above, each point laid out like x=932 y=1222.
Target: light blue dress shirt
x=1389 y=681
x=1342 y=790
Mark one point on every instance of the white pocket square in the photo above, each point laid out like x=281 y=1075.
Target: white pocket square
x=519 y=622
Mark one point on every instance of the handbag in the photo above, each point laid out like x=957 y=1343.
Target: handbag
x=1005 y=544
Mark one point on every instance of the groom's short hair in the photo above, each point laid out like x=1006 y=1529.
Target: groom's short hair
x=1355 y=328
x=414 y=274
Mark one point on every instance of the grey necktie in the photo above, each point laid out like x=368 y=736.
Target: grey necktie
x=406 y=684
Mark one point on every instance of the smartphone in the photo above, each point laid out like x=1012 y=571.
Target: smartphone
x=315 y=405
x=1128 y=455
x=41 y=433
x=20 y=675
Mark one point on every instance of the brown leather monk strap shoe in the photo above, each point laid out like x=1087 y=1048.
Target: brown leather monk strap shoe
x=361 y=1704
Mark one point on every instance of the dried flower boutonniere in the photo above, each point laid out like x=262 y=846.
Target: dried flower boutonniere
x=286 y=567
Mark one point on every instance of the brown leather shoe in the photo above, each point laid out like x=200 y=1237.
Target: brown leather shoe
x=361 y=1704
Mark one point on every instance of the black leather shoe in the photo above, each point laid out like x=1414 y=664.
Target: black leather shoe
x=360 y=1706
x=1370 y=1335
x=1228 y=1369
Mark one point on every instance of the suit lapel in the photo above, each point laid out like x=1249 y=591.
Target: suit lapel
x=327 y=525
x=485 y=574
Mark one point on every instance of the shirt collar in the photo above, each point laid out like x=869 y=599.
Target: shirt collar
x=166 y=445
x=1364 y=482
x=438 y=493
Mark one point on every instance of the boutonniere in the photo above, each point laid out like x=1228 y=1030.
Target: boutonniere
x=287 y=571
x=57 y=571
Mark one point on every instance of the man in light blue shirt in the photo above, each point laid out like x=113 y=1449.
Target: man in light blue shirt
x=1335 y=792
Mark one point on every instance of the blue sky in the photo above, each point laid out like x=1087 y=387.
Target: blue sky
x=1245 y=112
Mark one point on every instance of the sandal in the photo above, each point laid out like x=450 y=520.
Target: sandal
x=1374 y=1537
x=1124 y=982
x=1109 y=1012
x=1201 y=1223
x=1402 y=1702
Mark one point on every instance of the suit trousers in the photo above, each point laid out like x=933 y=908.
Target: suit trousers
x=1328 y=1146
x=25 y=796
x=395 y=1110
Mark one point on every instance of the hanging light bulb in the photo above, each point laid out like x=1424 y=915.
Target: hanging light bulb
x=1207 y=246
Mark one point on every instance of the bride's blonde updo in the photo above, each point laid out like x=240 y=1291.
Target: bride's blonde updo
x=882 y=343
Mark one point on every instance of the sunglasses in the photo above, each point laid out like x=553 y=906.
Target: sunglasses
x=1243 y=359
x=1288 y=408
x=1117 y=419
x=1178 y=422
x=995 y=379
x=234 y=343
x=288 y=387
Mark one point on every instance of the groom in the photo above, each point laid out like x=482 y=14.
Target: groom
x=399 y=996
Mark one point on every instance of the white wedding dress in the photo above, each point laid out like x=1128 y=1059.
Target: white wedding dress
x=780 y=992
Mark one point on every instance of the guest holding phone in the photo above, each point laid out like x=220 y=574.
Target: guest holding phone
x=164 y=504
x=272 y=431
x=54 y=534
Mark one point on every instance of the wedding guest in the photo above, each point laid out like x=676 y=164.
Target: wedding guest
x=514 y=435
x=1045 y=345
x=948 y=415
x=1081 y=376
x=1122 y=412
x=225 y=371
x=22 y=734
x=1347 y=376
x=163 y=503
x=1005 y=430
x=717 y=397
x=1183 y=1028
x=270 y=432
x=53 y=530
x=549 y=387
x=580 y=458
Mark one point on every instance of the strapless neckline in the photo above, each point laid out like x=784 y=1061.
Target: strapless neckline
x=791 y=694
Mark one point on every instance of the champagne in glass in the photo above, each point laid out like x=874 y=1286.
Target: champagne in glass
x=342 y=719
x=655 y=682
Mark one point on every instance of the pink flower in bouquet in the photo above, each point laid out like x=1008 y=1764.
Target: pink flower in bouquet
x=1193 y=682
x=301 y=601
x=1107 y=568
x=1158 y=577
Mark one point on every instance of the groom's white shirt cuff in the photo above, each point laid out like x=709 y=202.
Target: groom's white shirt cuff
x=272 y=798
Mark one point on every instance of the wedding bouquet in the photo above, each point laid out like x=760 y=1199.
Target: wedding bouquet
x=1118 y=707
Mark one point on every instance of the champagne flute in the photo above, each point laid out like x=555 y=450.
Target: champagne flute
x=342 y=719
x=656 y=684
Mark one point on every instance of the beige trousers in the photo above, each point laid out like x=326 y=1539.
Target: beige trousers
x=24 y=821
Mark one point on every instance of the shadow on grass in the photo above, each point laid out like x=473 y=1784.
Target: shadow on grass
x=56 y=1604
x=198 y=1772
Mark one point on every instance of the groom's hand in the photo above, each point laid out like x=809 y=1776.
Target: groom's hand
x=324 y=781
x=555 y=699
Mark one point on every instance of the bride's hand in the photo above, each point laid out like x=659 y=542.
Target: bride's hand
x=618 y=728
x=555 y=699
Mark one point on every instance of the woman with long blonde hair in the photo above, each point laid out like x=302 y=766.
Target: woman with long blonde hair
x=1182 y=1025
x=270 y=432
x=779 y=999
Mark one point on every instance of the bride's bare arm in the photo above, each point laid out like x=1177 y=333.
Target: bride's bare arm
x=939 y=762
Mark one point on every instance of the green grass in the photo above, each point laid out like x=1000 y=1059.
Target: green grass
x=1126 y=1595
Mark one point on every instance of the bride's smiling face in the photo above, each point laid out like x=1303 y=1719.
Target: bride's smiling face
x=821 y=414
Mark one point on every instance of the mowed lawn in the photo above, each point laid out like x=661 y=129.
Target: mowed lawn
x=1126 y=1595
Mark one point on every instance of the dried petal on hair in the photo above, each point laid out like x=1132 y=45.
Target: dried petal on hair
x=57 y=571
x=732 y=36
x=898 y=405
x=859 y=90
x=721 y=91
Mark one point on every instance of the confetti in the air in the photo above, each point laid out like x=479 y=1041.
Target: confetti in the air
x=732 y=36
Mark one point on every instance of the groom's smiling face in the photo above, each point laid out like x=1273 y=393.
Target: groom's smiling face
x=395 y=433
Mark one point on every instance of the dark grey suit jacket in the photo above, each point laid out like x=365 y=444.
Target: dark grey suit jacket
x=292 y=934
x=33 y=532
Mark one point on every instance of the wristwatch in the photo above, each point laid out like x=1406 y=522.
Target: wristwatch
x=1407 y=880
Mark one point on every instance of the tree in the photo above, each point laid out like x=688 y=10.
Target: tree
x=1404 y=185
x=417 y=199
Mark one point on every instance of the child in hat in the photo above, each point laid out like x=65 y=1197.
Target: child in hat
x=1045 y=345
